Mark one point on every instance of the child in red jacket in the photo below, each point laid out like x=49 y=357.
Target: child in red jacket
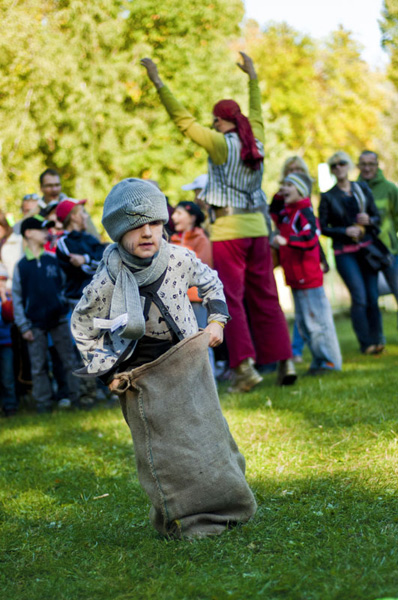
x=299 y=254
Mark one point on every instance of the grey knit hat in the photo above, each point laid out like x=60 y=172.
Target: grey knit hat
x=130 y=204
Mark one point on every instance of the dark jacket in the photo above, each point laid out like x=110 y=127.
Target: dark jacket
x=37 y=293
x=338 y=210
x=78 y=242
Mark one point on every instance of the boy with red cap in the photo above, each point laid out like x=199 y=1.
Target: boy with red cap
x=78 y=252
x=257 y=332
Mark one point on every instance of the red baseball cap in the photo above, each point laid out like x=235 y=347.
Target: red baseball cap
x=65 y=206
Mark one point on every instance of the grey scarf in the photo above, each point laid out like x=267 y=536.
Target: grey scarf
x=126 y=309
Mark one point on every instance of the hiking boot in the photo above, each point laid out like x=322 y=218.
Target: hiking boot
x=286 y=372
x=245 y=377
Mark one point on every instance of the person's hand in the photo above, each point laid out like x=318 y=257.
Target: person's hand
x=247 y=66
x=279 y=240
x=114 y=384
x=152 y=71
x=28 y=336
x=363 y=219
x=3 y=291
x=354 y=232
x=77 y=260
x=216 y=334
x=325 y=268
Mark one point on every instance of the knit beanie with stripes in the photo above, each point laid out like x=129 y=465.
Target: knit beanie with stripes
x=301 y=182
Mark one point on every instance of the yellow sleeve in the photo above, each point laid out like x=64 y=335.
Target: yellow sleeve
x=255 y=116
x=212 y=141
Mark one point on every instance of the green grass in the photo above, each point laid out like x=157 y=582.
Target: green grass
x=322 y=461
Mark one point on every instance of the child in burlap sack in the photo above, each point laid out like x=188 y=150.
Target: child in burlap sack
x=135 y=328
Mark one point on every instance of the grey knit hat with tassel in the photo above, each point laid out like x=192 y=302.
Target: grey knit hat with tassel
x=130 y=204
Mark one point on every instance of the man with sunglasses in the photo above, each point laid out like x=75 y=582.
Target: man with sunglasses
x=385 y=194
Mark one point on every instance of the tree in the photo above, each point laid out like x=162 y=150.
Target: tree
x=74 y=97
x=329 y=96
x=389 y=29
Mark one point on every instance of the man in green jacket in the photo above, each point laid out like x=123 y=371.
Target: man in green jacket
x=386 y=197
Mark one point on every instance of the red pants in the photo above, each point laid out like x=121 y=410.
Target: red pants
x=258 y=328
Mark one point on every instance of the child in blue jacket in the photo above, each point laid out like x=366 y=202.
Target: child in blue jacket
x=40 y=309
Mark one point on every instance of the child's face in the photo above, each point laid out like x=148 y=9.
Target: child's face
x=79 y=219
x=290 y=192
x=144 y=241
x=38 y=236
x=182 y=220
x=28 y=206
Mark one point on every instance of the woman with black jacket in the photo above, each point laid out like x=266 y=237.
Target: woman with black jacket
x=348 y=214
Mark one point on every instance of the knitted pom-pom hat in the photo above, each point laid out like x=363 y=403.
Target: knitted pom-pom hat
x=130 y=204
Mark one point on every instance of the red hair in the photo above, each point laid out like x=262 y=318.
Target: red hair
x=229 y=110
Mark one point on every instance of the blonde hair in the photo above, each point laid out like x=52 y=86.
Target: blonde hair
x=340 y=155
x=289 y=161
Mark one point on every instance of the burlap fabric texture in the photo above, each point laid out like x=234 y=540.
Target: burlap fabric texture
x=187 y=460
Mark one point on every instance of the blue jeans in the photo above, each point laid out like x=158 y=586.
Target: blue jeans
x=361 y=282
x=315 y=323
x=201 y=317
x=7 y=382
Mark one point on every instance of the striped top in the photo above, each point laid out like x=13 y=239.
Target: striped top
x=233 y=183
x=219 y=146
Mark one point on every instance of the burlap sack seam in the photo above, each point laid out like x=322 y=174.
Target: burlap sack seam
x=163 y=503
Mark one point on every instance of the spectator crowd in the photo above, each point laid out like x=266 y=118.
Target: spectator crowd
x=51 y=255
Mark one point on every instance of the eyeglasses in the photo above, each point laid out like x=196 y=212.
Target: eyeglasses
x=52 y=185
x=341 y=163
x=366 y=164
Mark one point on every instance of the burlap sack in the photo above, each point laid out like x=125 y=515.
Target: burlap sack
x=188 y=462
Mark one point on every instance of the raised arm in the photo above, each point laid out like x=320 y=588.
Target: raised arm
x=152 y=72
x=247 y=66
x=255 y=116
x=212 y=141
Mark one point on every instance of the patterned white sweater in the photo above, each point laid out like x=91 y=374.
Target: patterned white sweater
x=100 y=349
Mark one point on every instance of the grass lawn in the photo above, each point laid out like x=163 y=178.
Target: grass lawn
x=321 y=459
